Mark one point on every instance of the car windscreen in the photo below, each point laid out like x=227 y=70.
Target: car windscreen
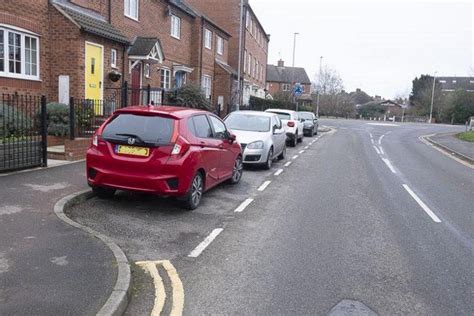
x=145 y=130
x=248 y=122
x=283 y=116
x=306 y=116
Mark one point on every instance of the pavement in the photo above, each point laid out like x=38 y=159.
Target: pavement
x=46 y=266
x=450 y=141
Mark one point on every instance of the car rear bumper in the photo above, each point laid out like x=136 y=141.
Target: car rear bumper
x=168 y=182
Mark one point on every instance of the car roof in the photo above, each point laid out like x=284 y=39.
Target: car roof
x=256 y=113
x=281 y=111
x=176 y=112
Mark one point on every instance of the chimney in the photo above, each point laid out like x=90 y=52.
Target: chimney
x=281 y=63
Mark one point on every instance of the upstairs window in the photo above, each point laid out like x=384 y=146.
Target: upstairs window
x=131 y=9
x=220 y=45
x=175 y=27
x=19 y=55
x=113 y=58
x=208 y=39
x=245 y=61
x=206 y=86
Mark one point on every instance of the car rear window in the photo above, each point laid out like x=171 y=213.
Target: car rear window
x=283 y=116
x=148 y=130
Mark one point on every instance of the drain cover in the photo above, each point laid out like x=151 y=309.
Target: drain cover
x=351 y=308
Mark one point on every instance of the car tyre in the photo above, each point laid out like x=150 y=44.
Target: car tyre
x=103 y=193
x=268 y=164
x=237 y=171
x=194 y=196
x=299 y=139
x=294 y=141
x=283 y=153
x=316 y=131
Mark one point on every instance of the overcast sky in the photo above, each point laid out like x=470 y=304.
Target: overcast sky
x=378 y=46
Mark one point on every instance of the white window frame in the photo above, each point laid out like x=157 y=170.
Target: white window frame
x=166 y=83
x=147 y=70
x=127 y=9
x=220 y=45
x=6 y=60
x=113 y=58
x=245 y=61
x=206 y=86
x=208 y=38
x=176 y=26
x=249 y=66
x=286 y=87
x=255 y=67
x=248 y=19
x=257 y=72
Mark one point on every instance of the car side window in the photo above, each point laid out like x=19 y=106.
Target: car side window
x=202 y=128
x=220 y=131
x=279 y=123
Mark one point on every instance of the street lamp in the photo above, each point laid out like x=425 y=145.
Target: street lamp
x=293 y=69
x=432 y=97
x=319 y=84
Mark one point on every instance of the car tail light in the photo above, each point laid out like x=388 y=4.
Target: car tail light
x=291 y=123
x=180 y=147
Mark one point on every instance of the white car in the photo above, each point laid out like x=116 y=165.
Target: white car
x=293 y=126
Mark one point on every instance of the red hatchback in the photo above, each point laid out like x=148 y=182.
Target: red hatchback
x=169 y=151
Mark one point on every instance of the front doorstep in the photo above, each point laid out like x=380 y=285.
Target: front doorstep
x=72 y=150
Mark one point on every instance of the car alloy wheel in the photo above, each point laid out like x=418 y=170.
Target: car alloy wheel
x=237 y=172
x=268 y=164
x=195 y=193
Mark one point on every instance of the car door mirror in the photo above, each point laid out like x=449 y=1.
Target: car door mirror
x=315 y=121
x=302 y=120
x=231 y=137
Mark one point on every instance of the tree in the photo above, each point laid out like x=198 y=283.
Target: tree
x=329 y=85
x=462 y=106
x=420 y=97
x=371 y=109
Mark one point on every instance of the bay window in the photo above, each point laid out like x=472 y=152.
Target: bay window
x=19 y=55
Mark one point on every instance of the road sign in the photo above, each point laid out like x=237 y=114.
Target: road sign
x=298 y=89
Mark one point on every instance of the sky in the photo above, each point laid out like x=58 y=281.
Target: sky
x=378 y=46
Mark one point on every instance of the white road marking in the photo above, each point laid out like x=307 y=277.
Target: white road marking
x=381 y=151
x=422 y=204
x=377 y=150
x=389 y=165
x=383 y=124
x=372 y=141
x=264 y=186
x=380 y=139
x=371 y=136
x=288 y=164
x=301 y=152
x=306 y=147
x=243 y=206
x=294 y=157
x=279 y=171
x=202 y=246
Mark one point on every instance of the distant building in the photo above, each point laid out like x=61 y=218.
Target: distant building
x=451 y=84
x=281 y=79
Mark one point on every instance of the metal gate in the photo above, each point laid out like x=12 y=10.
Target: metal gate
x=23 y=132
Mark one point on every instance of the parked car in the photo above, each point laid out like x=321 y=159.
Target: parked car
x=310 y=123
x=261 y=136
x=293 y=126
x=169 y=151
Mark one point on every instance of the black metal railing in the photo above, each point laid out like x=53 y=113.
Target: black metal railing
x=23 y=132
x=127 y=95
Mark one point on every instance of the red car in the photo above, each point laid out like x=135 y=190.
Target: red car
x=169 y=151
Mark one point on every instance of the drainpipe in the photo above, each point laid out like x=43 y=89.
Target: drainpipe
x=200 y=53
x=110 y=11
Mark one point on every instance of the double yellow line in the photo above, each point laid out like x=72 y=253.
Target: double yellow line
x=160 y=293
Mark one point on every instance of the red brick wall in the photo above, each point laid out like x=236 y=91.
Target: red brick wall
x=31 y=15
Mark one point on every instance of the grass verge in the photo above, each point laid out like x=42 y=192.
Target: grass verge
x=467 y=136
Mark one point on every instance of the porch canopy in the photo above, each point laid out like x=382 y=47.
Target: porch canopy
x=146 y=49
x=182 y=68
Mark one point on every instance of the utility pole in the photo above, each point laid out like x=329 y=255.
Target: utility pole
x=239 y=85
x=432 y=97
x=293 y=69
x=319 y=84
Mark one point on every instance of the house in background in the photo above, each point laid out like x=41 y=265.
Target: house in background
x=451 y=84
x=281 y=79
x=254 y=52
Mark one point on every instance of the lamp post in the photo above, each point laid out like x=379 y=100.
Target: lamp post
x=432 y=97
x=319 y=84
x=293 y=69
x=239 y=85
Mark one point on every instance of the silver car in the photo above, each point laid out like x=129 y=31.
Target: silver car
x=261 y=135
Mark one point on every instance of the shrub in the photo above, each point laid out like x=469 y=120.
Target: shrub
x=58 y=119
x=260 y=104
x=189 y=96
x=14 y=122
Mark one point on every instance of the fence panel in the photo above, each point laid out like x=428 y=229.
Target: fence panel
x=23 y=132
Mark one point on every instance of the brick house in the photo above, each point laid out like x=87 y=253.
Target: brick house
x=281 y=79
x=254 y=53
x=89 y=48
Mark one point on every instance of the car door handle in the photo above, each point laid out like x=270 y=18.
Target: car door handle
x=203 y=144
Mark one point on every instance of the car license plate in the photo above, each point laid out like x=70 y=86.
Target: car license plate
x=132 y=150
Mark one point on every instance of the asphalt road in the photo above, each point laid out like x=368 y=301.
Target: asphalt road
x=368 y=213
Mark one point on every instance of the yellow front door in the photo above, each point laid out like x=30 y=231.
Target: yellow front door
x=94 y=76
